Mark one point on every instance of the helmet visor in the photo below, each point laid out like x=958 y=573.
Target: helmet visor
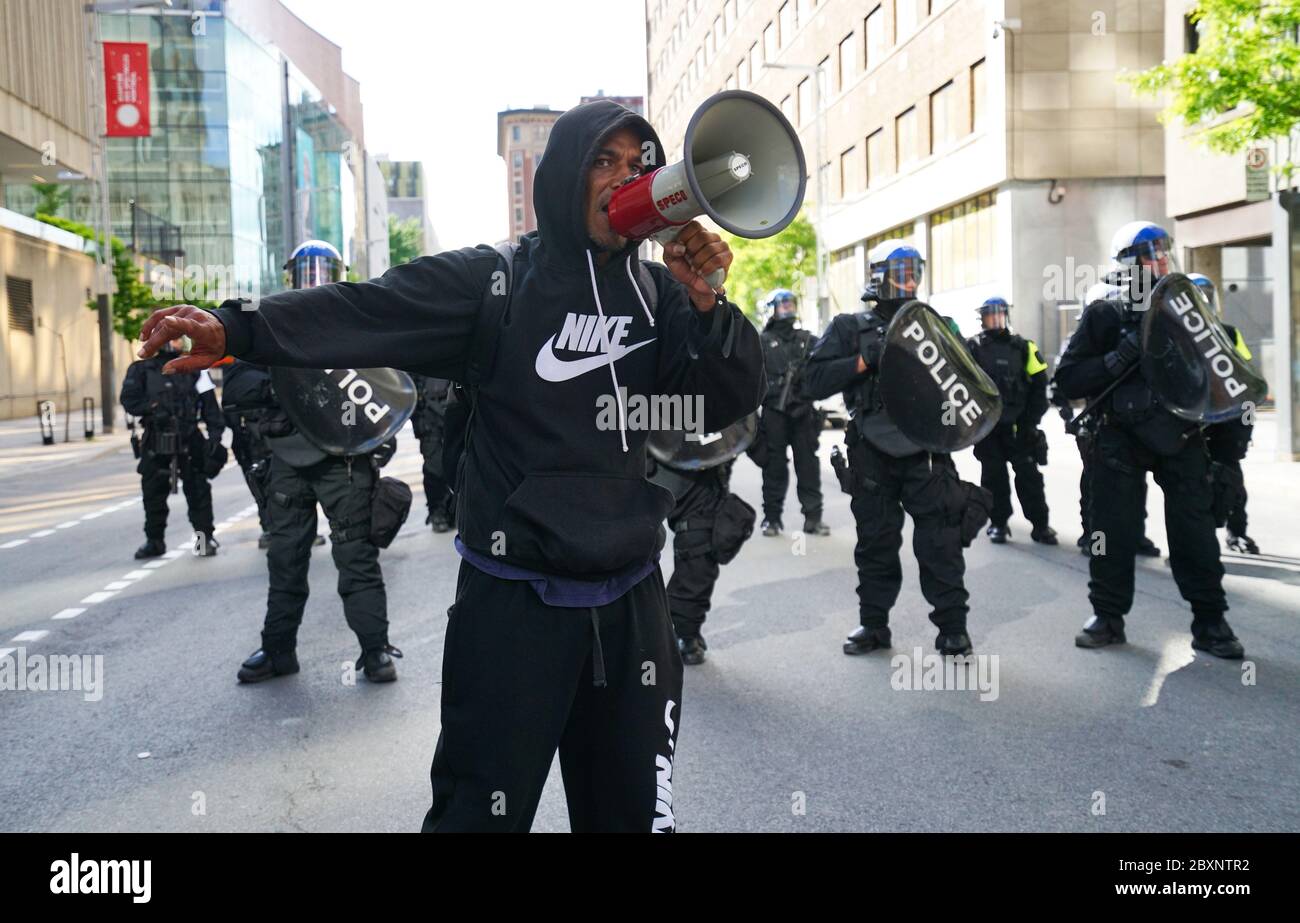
x=309 y=270
x=901 y=278
x=1155 y=256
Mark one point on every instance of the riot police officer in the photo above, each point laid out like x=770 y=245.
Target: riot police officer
x=1136 y=434
x=300 y=476
x=1228 y=443
x=789 y=419
x=1017 y=368
x=887 y=473
x=244 y=397
x=430 y=425
x=172 y=448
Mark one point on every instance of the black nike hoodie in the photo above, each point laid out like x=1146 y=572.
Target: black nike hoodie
x=545 y=488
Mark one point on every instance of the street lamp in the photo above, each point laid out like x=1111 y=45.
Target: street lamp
x=823 y=298
x=99 y=156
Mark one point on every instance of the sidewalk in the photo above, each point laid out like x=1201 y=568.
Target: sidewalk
x=21 y=449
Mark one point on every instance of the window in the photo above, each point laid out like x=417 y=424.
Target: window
x=806 y=109
x=848 y=55
x=977 y=93
x=786 y=18
x=875 y=156
x=742 y=74
x=540 y=132
x=519 y=158
x=943 y=118
x=905 y=137
x=790 y=110
x=803 y=12
x=519 y=214
x=754 y=63
x=22 y=315
x=514 y=132
x=707 y=48
x=519 y=187
x=962 y=245
x=717 y=35
x=850 y=173
x=823 y=77
x=873 y=28
x=729 y=16
x=904 y=19
x=770 y=42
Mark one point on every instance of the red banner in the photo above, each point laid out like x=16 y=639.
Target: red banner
x=126 y=89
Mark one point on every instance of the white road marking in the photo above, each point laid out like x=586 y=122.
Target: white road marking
x=153 y=564
x=42 y=533
x=99 y=597
x=15 y=543
x=175 y=553
x=6 y=651
x=1176 y=654
x=90 y=516
x=68 y=614
x=136 y=575
x=117 y=585
x=28 y=636
x=66 y=525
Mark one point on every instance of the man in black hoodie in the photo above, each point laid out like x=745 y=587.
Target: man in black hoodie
x=560 y=634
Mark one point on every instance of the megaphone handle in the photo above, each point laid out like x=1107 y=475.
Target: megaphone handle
x=668 y=235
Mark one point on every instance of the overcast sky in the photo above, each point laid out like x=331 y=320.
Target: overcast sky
x=434 y=74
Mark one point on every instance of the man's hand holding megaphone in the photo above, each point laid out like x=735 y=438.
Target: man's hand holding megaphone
x=694 y=255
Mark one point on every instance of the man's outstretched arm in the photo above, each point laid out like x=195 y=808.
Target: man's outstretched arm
x=419 y=316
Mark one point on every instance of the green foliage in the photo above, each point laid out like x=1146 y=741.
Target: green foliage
x=133 y=301
x=784 y=260
x=403 y=240
x=51 y=197
x=1248 y=57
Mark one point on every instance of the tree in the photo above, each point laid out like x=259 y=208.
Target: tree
x=1246 y=67
x=784 y=260
x=404 y=240
x=51 y=197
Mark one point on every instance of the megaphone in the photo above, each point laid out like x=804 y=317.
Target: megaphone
x=742 y=165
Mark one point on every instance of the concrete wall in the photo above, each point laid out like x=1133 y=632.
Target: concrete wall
x=31 y=365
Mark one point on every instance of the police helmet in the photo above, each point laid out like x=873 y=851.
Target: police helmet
x=313 y=263
x=780 y=302
x=995 y=312
x=895 y=272
x=1144 y=244
x=1206 y=285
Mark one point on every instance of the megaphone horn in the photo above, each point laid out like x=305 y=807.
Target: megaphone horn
x=742 y=166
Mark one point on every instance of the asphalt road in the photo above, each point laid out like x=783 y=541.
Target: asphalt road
x=780 y=731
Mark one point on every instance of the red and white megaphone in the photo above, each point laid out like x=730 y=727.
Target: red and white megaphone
x=742 y=165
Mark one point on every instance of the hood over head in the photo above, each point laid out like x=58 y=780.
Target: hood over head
x=560 y=189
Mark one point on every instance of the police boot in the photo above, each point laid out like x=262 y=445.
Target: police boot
x=153 y=548
x=772 y=527
x=439 y=522
x=207 y=548
x=377 y=664
x=1044 y=535
x=1148 y=548
x=264 y=541
x=1217 y=638
x=262 y=666
x=692 y=649
x=813 y=525
x=998 y=535
x=956 y=643
x=1101 y=631
x=1242 y=544
x=864 y=640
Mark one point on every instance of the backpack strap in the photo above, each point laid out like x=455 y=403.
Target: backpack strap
x=496 y=305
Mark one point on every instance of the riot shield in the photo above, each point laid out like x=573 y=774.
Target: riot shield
x=1189 y=360
x=345 y=411
x=932 y=388
x=697 y=451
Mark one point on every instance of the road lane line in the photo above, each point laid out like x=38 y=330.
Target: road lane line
x=136 y=575
x=42 y=533
x=153 y=564
x=6 y=651
x=66 y=525
x=28 y=636
x=15 y=543
x=68 y=614
x=118 y=585
x=99 y=597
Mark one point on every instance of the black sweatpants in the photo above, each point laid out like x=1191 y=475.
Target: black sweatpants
x=884 y=488
x=1118 y=471
x=294 y=493
x=155 y=485
x=799 y=432
x=997 y=450
x=518 y=682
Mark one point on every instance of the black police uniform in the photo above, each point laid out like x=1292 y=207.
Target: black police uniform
x=890 y=475
x=300 y=476
x=245 y=397
x=1017 y=368
x=789 y=419
x=171 y=408
x=709 y=525
x=1228 y=443
x=430 y=424
x=1135 y=434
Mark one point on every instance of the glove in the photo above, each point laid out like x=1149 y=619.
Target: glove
x=870 y=353
x=1122 y=356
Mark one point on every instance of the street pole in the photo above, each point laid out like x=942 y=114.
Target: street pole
x=103 y=248
x=819 y=134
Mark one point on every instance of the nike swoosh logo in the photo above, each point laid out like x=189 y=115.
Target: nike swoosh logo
x=552 y=368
